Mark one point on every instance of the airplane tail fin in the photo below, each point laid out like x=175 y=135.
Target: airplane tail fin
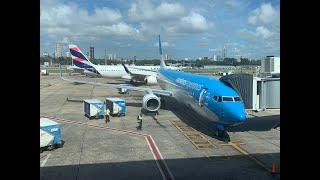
x=78 y=58
x=162 y=63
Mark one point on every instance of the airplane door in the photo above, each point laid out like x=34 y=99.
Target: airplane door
x=202 y=97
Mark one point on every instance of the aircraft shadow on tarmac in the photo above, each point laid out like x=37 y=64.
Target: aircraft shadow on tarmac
x=217 y=168
x=204 y=125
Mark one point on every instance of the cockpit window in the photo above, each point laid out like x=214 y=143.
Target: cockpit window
x=227 y=99
x=237 y=99
x=217 y=98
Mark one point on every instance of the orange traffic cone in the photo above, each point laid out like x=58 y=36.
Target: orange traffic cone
x=273 y=169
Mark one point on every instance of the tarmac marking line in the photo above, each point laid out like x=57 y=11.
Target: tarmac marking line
x=164 y=170
x=45 y=160
x=195 y=137
x=235 y=145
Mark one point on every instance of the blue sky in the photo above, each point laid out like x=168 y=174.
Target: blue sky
x=189 y=29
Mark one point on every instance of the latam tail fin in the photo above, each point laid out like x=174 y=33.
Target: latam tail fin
x=78 y=58
x=162 y=63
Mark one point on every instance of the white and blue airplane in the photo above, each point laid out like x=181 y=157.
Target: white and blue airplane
x=207 y=96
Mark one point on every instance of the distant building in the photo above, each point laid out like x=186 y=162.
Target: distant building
x=166 y=57
x=270 y=65
x=91 y=55
x=224 y=55
x=214 y=58
x=45 y=54
x=57 y=52
x=205 y=58
x=219 y=58
x=68 y=54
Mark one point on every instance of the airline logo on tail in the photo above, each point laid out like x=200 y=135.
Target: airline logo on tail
x=80 y=60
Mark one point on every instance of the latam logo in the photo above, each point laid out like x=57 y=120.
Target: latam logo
x=77 y=55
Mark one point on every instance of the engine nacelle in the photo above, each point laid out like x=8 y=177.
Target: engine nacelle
x=151 y=102
x=151 y=80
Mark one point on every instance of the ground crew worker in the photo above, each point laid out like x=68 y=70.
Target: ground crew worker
x=107 y=115
x=139 y=118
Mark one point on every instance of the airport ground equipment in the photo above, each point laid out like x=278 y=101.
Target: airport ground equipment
x=123 y=90
x=116 y=106
x=93 y=108
x=46 y=140
x=44 y=72
x=50 y=133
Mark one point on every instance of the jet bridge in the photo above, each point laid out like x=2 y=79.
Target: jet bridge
x=256 y=93
x=243 y=84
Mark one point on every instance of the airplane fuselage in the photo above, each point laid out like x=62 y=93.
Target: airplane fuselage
x=199 y=93
x=117 y=71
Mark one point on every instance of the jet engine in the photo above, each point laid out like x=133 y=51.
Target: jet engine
x=151 y=80
x=151 y=102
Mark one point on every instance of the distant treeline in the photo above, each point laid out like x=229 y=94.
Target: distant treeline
x=196 y=63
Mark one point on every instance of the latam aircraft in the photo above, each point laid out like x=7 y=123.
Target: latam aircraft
x=146 y=74
x=207 y=96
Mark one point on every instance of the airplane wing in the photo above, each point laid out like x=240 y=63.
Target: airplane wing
x=138 y=75
x=129 y=88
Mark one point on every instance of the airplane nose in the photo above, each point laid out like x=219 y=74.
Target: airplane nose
x=240 y=117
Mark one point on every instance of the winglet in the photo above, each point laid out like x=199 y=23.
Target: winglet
x=162 y=63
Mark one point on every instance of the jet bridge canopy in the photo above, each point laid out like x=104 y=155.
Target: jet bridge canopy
x=243 y=84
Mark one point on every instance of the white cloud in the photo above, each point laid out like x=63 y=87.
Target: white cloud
x=144 y=10
x=204 y=41
x=260 y=32
x=246 y=34
x=263 y=32
x=164 y=44
x=234 y=3
x=265 y=14
x=195 y=21
x=59 y=20
x=169 y=18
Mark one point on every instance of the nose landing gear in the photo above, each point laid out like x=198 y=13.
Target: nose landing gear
x=222 y=134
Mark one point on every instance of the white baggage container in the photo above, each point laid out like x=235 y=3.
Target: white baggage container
x=46 y=139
